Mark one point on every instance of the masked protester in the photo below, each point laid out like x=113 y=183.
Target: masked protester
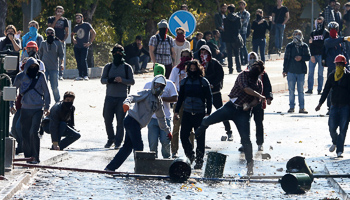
x=316 y=41
x=196 y=98
x=339 y=82
x=245 y=94
x=178 y=73
x=51 y=53
x=60 y=123
x=32 y=35
x=214 y=73
x=33 y=88
x=162 y=48
x=82 y=36
x=9 y=42
x=180 y=44
x=118 y=77
x=155 y=133
x=294 y=67
x=147 y=102
x=260 y=26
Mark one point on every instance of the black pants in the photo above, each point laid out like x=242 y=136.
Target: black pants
x=258 y=113
x=188 y=122
x=232 y=48
x=217 y=102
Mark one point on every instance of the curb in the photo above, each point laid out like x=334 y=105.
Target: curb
x=26 y=175
x=337 y=186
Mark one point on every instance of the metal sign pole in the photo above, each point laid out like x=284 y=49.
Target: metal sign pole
x=3 y=120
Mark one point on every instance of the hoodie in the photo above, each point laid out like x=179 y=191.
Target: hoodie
x=214 y=72
x=146 y=104
x=232 y=25
x=33 y=99
x=51 y=54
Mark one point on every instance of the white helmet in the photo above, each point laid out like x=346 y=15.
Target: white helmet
x=159 y=90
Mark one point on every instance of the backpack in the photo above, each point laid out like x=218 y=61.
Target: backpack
x=158 y=41
x=126 y=74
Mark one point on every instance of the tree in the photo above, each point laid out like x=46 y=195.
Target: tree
x=3 y=14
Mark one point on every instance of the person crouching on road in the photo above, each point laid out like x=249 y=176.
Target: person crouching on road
x=338 y=82
x=195 y=95
x=147 y=102
x=35 y=96
x=60 y=122
x=244 y=95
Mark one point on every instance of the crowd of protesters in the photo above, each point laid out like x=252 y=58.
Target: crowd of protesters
x=188 y=77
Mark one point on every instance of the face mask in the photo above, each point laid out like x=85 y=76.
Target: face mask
x=251 y=61
x=333 y=33
x=67 y=104
x=50 y=39
x=158 y=91
x=319 y=26
x=118 y=59
x=32 y=72
x=297 y=39
x=33 y=30
x=254 y=72
x=31 y=53
x=193 y=74
x=162 y=33
x=258 y=17
x=180 y=37
x=339 y=72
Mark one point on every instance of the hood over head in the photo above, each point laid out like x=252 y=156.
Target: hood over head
x=206 y=47
x=29 y=62
x=158 y=79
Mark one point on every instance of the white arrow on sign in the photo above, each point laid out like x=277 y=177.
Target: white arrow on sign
x=183 y=25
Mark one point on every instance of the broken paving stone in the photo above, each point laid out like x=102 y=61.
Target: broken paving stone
x=280 y=169
x=271 y=148
x=278 y=142
x=265 y=156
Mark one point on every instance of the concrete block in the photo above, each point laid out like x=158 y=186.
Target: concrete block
x=9 y=151
x=146 y=163
x=94 y=72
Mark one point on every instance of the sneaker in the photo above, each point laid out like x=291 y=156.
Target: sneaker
x=327 y=112
x=229 y=137
x=239 y=70
x=319 y=92
x=144 y=70
x=303 y=111
x=198 y=165
x=308 y=92
x=250 y=166
x=230 y=71
x=174 y=155
x=117 y=147
x=207 y=147
x=291 y=110
x=108 y=144
x=260 y=147
x=86 y=78
x=191 y=158
x=332 y=148
x=138 y=72
x=79 y=78
x=108 y=170
x=241 y=149
x=60 y=78
x=340 y=154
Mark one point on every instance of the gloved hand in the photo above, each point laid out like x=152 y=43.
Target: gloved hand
x=170 y=136
x=126 y=107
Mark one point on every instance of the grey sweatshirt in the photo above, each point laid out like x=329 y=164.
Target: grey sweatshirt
x=32 y=99
x=146 y=104
x=115 y=89
x=51 y=54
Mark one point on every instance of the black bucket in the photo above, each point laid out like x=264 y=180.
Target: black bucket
x=296 y=183
x=298 y=164
x=215 y=165
x=180 y=170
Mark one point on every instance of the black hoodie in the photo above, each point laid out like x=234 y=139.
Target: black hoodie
x=214 y=72
x=232 y=24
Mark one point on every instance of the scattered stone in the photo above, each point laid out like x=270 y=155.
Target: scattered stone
x=223 y=138
x=168 y=197
x=265 y=156
x=278 y=142
x=191 y=181
x=280 y=169
x=271 y=148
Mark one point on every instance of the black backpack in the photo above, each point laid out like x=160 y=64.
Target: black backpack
x=126 y=73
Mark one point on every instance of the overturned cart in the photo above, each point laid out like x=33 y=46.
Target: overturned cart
x=298 y=179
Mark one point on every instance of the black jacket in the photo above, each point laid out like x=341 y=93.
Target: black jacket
x=260 y=29
x=317 y=45
x=214 y=72
x=290 y=64
x=340 y=90
x=133 y=51
x=232 y=24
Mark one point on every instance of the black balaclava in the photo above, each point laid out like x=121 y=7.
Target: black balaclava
x=50 y=39
x=254 y=72
x=32 y=54
x=258 y=17
x=118 y=59
x=162 y=33
x=67 y=105
x=32 y=72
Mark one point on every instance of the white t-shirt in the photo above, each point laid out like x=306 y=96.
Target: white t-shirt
x=177 y=77
x=178 y=50
x=169 y=91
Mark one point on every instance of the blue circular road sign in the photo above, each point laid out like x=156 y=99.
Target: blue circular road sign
x=182 y=19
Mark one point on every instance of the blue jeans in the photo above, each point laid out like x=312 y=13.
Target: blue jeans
x=223 y=44
x=260 y=43
x=243 y=50
x=64 y=56
x=338 y=117
x=133 y=141
x=135 y=61
x=17 y=134
x=30 y=122
x=81 y=58
x=114 y=106
x=298 y=79
x=241 y=119
x=279 y=35
x=52 y=75
x=310 y=78
x=154 y=132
